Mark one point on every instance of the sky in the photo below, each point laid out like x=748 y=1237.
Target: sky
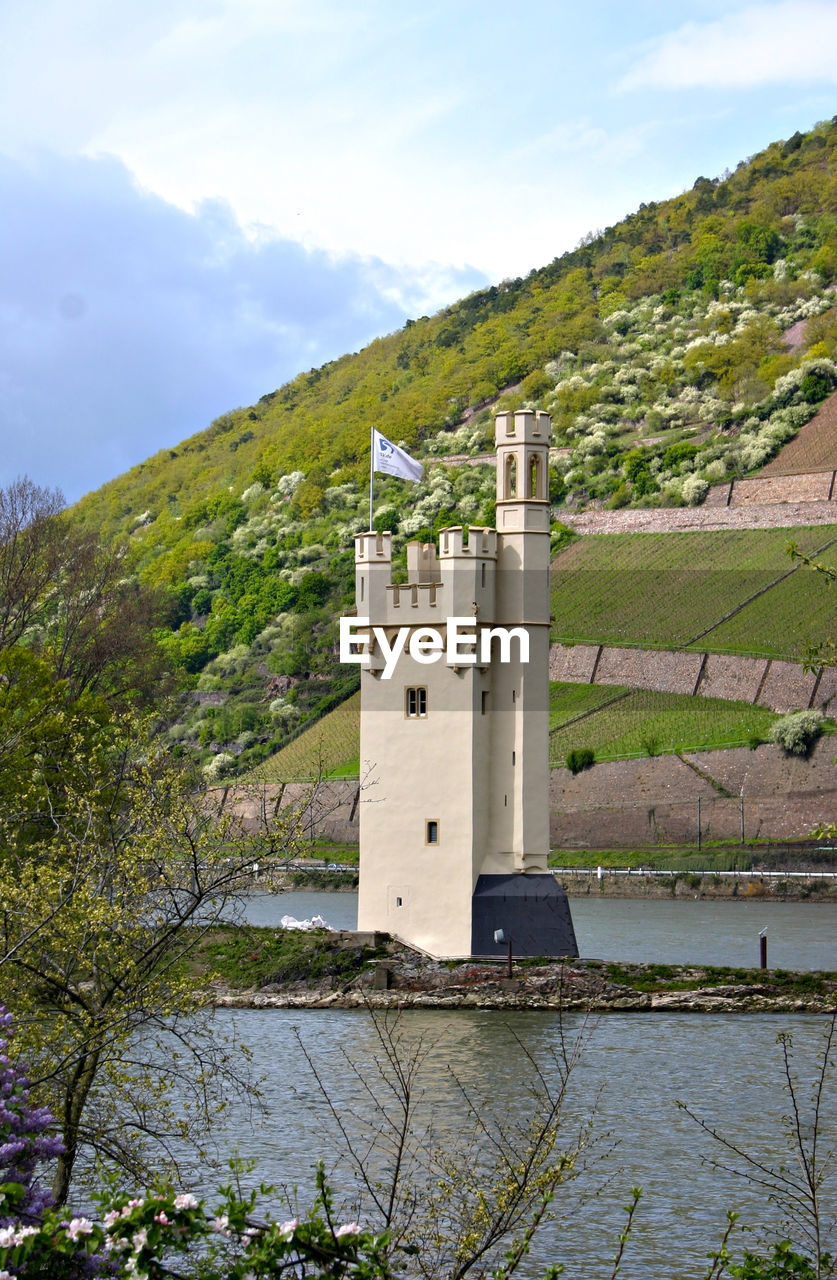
x=201 y=198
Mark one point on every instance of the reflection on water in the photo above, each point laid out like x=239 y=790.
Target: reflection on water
x=633 y=1071
x=800 y=935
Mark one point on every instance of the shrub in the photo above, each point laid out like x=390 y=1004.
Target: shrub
x=797 y=733
x=580 y=758
x=815 y=386
x=675 y=454
x=695 y=490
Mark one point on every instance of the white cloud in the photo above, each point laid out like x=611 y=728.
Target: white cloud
x=794 y=41
x=126 y=324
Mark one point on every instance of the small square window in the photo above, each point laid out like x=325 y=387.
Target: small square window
x=415 y=703
x=432 y=832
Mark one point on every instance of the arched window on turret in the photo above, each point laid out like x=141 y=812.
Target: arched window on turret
x=510 y=487
x=534 y=484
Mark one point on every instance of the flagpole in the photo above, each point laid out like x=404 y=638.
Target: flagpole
x=371 y=470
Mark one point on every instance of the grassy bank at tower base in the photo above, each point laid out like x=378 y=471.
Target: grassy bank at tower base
x=250 y=967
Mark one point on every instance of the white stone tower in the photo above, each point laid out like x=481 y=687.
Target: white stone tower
x=454 y=747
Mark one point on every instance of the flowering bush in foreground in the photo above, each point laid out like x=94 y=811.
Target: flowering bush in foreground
x=24 y=1141
x=142 y=1237
x=137 y=1237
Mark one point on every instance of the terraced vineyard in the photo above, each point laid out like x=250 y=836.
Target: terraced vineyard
x=568 y=702
x=641 y=722
x=795 y=611
x=813 y=449
x=328 y=748
x=676 y=590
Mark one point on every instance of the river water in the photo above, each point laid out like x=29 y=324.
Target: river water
x=800 y=935
x=633 y=1071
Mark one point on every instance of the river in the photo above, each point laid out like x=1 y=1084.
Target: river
x=633 y=1071
x=800 y=935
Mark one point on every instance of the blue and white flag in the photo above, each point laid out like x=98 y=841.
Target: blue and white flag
x=392 y=461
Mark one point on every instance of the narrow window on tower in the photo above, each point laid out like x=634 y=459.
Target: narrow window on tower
x=510 y=488
x=431 y=835
x=534 y=477
x=484 y=701
x=415 y=703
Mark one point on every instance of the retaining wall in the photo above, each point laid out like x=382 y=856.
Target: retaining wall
x=621 y=803
x=616 y=804
x=326 y=809
x=814 y=486
x=769 y=682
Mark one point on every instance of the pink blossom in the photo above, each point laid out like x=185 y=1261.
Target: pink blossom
x=289 y=1227
x=7 y=1275
x=9 y=1236
x=187 y=1201
x=112 y=1216
x=162 y=1218
x=140 y=1239
x=348 y=1229
x=79 y=1227
x=220 y=1224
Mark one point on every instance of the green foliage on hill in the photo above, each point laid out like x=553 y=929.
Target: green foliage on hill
x=657 y=345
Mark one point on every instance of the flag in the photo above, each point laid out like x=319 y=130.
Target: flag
x=392 y=461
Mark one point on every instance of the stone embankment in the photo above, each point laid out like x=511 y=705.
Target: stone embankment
x=765 y=515
x=765 y=682
x=409 y=980
x=743 y=886
x=659 y=800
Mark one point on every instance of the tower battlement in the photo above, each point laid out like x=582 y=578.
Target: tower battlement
x=523 y=427
x=481 y=543
x=373 y=548
x=422 y=565
x=413 y=595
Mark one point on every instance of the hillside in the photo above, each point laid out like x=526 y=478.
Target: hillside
x=679 y=348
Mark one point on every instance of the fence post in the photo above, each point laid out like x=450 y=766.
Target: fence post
x=698 y=824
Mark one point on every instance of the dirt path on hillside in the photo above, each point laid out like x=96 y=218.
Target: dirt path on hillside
x=774 y=515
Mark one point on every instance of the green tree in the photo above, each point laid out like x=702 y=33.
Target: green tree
x=71 y=600
x=109 y=880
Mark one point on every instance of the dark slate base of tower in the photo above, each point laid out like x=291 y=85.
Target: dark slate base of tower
x=532 y=910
